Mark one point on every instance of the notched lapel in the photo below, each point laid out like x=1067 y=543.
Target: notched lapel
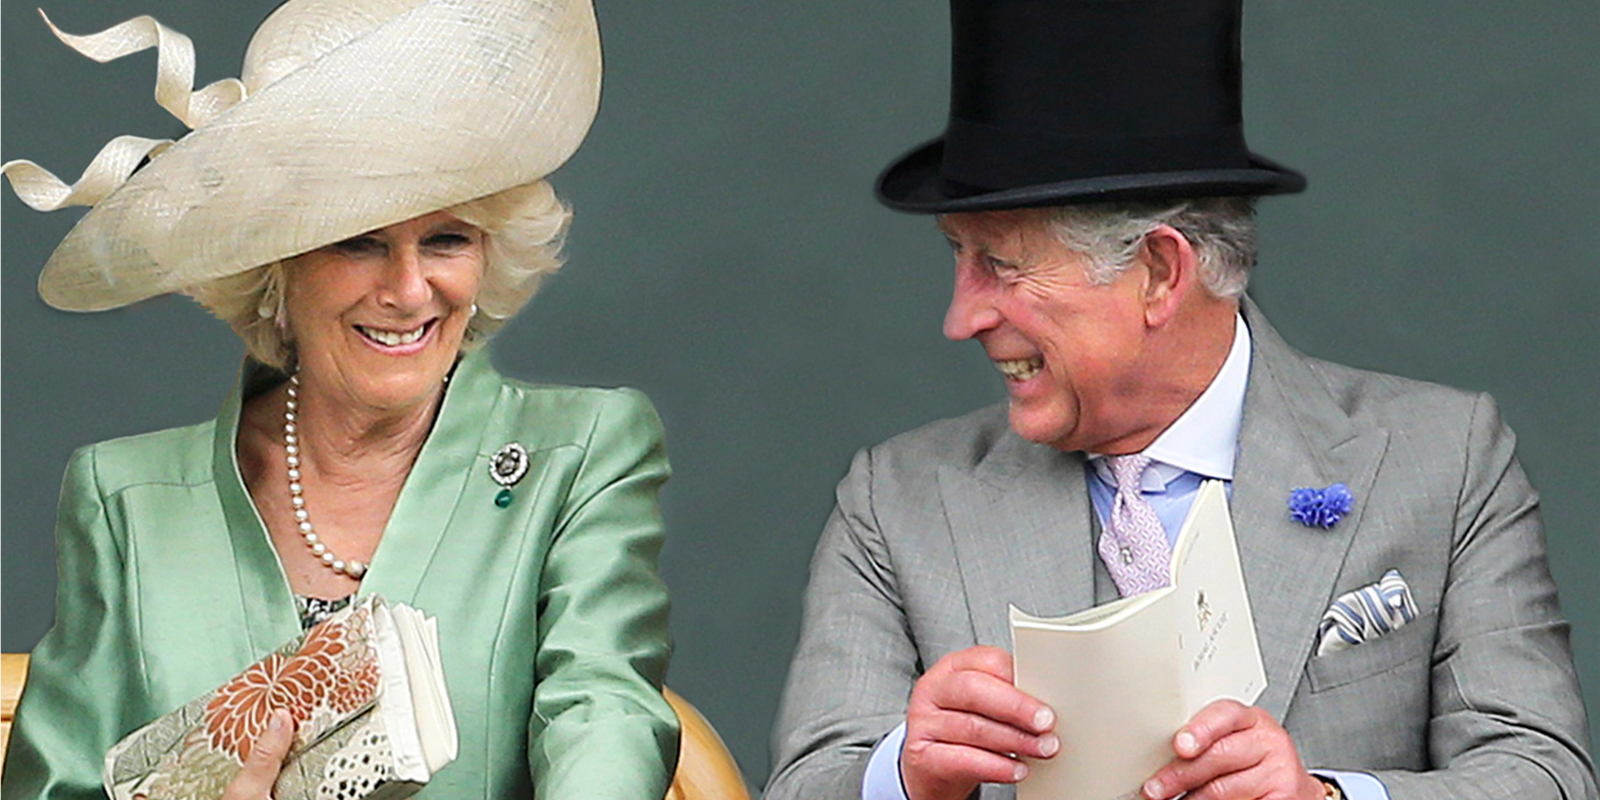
x=1293 y=436
x=1021 y=526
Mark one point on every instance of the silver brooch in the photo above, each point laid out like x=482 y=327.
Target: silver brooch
x=507 y=467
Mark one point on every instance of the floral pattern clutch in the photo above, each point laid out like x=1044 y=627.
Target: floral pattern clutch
x=329 y=679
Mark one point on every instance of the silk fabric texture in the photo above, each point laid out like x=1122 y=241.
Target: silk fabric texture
x=552 y=619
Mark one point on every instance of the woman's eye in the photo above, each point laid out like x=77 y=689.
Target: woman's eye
x=358 y=245
x=448 y=242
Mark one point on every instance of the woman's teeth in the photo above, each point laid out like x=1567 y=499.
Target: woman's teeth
x=392 y=338
x=1020 y=369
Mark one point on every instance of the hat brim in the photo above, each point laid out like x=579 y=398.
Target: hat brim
x=466 y=100
x=914 y=184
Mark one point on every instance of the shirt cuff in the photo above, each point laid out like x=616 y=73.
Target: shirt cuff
x=882 y=778
x=1355 y=785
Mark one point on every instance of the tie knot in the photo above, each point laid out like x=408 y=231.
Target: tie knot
x=1128 y=471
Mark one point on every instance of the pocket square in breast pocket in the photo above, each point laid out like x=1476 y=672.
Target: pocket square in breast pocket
x=1366 y=613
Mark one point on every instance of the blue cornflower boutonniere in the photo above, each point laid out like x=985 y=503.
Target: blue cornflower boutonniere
x=1320 y=508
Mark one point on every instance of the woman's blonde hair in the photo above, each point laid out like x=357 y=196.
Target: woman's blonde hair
x=524 y=227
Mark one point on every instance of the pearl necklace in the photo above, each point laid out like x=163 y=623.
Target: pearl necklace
x=291 y=445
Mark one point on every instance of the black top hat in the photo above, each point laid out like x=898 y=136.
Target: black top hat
x=1079 y=101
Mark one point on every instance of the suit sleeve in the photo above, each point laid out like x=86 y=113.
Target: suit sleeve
x=600 y=726
x=855 y=664
x=1507 y=716
x=75 y=704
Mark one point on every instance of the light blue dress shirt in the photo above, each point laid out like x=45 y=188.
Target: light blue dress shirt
x=1200 y=445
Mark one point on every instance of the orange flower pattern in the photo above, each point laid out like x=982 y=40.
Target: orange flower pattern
x=333 y=668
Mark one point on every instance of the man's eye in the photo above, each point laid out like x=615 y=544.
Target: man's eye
x=1001 y=268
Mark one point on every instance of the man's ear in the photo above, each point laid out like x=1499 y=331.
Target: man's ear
x=1172 y=269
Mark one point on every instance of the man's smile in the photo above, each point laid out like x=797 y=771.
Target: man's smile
x=1020 y=369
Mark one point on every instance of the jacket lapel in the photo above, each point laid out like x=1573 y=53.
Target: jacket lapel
x=267 y=603
x=1020 y=521
x=436 y=485
x=1293 y=435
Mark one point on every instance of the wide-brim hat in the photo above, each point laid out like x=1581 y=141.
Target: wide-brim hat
x=350 y=115
x=1056 y=102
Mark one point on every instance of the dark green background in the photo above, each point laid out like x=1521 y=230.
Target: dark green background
x=728 y=259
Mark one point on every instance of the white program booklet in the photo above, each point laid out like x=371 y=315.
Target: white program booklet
x=1123 y=677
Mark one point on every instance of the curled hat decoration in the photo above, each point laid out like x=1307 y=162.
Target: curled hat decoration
x=348 y=115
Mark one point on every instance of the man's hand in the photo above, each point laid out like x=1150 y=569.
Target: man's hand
x=967 y=723
x=265 y=761
x=1230 y=750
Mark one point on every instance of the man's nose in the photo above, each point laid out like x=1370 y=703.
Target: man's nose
x=972 y=308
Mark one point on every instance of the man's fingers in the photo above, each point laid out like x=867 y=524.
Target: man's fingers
x=965 y=723
x=984 y=694
x=1269 y=779
x=974 y=730
x=1219 y=763
x=991 y=660
x=1212 y=723
x=959 y=763
x=1229 y=751
x=1251 y=783
x=265 y=761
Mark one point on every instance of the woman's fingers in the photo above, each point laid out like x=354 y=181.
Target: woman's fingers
x=261 y=767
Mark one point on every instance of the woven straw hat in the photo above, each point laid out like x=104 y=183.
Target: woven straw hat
x=349 y=115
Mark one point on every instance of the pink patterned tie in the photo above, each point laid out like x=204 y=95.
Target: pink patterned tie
x=1134 y=545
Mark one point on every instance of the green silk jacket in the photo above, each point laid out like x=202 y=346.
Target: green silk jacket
x=552 y=620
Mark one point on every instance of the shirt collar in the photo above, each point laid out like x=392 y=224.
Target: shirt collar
x=1205 y=438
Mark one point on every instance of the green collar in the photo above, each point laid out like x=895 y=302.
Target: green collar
x=427 y=502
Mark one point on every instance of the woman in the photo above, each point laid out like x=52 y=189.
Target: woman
x=364 y=207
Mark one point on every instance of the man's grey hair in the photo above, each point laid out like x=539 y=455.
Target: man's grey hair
x=1222 y=231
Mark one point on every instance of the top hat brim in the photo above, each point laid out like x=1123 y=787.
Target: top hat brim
x=915 y=184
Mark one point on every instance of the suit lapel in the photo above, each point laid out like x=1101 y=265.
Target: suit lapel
x=1020 y=521
x=1293 y=435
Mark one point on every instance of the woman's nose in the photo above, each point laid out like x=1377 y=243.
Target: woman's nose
x=405 y=285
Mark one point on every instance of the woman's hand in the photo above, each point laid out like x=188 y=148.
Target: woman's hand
x=260 y=770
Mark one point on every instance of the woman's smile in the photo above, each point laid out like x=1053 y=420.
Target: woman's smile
x=396 y=342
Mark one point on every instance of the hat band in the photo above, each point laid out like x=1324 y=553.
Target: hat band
x=990 y=157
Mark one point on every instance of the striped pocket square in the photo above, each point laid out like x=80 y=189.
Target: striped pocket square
x=1366 y=613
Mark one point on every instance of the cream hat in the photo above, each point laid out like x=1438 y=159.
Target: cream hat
x=349 y=115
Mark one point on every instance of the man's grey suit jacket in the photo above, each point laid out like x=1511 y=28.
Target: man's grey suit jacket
x=937 y=530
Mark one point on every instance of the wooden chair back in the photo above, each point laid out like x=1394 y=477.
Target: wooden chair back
x=706 y=770
x=13 y=672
